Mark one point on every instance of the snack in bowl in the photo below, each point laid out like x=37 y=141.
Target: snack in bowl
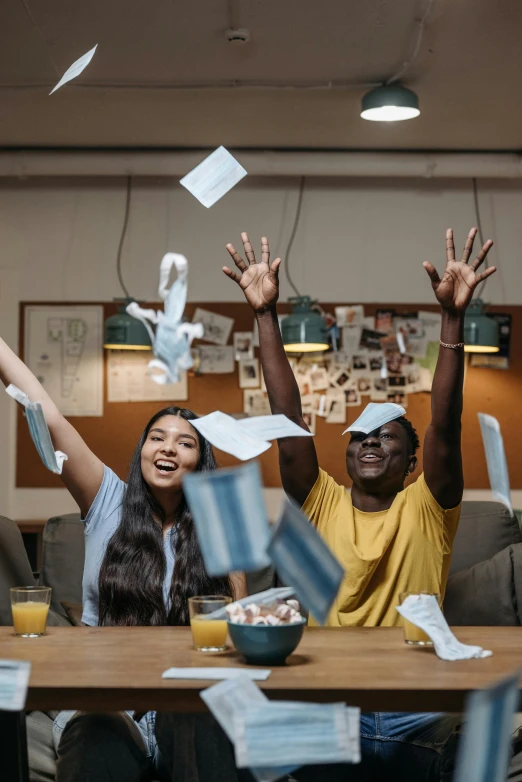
x=265 y=634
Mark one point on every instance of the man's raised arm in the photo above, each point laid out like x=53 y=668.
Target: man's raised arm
x=260 y=284
x=442 y=444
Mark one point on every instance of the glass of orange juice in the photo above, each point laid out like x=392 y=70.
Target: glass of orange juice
x=412 y=634
x=30 y=606
x=209 y=635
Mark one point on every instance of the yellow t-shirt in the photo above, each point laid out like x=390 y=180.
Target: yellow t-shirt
x=406 y=548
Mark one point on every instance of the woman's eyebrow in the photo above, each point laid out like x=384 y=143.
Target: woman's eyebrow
x=182 y=434
x=186 y=434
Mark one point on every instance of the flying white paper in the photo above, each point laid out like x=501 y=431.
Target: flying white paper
x=14 y=680
x=172 y=340
x=484 y=750
x=297 y=734
x=375 y=415
x=424 y=611
x=75 y=69
x=224 y=433
x=248 y=437
x=227 y=701
x=39 y=431
x=303 y=560
x=272 y=427
x=214 y=177
x=496 y=460
x=256 y=674
x=230 y=518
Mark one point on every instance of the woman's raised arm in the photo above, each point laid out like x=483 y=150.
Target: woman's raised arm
x=82 y=473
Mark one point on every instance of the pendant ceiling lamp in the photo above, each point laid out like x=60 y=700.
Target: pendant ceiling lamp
x=480 y=332
x=392 y=103
x=304 y=330
x=122 y=331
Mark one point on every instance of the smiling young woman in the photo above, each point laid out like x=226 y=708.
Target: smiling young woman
x=142 y=563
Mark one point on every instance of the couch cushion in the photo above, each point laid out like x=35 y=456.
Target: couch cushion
x=74 y=612
x=487 y=593
x=63 y=557
x=485 y=528
x=15 y=569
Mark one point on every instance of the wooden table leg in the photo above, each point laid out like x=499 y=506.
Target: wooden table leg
x=13 y=743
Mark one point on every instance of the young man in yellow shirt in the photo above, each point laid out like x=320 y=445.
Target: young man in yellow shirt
x=390 y=539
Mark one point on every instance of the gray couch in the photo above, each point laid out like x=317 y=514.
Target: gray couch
x=484 y=585
x=484 y=588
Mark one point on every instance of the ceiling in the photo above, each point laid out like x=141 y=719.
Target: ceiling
x=164 y=74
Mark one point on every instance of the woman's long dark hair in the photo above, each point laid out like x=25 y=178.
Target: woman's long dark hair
x=133 y=569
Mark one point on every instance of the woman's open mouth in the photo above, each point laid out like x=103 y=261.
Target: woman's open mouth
x=165 y=467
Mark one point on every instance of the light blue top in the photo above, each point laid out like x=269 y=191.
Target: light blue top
x=101 y=523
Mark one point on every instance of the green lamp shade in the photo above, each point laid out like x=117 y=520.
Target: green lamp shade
x=123 y=332
x=304 y=331
x=390 y=104
x=480 y=332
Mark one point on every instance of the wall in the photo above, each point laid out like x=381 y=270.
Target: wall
x=365 y=239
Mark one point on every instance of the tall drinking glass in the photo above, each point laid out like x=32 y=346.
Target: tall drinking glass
x=412 y=634
x=30 y=606
x=209 y=635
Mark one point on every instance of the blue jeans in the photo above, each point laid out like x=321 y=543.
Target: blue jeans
x=146 y=727
x=397 y=747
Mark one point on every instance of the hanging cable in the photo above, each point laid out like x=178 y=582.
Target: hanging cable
x=420 y=33
x=34 y=23
x=286 y=263
x=480 y=289
x=122 y=237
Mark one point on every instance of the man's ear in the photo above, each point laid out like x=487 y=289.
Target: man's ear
x=412 y=465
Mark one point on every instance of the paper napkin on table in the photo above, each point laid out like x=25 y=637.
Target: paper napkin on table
x=424 y=611
x=256 y=674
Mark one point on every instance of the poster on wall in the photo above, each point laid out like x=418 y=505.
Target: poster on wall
x=63 y=347
x=128 y=380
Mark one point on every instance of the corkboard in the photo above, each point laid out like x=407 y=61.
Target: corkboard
x=113 y=437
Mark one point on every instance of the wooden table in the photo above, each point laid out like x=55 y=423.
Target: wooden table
x=113 y=668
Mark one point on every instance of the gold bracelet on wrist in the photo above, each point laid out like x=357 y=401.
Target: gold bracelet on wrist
x=452 y=347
